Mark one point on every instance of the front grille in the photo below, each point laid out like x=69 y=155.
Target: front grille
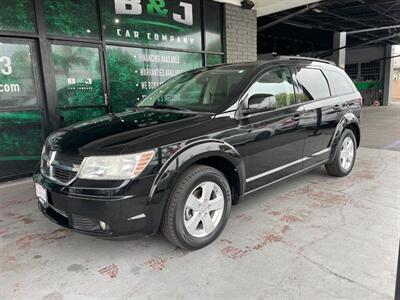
x=70 y=157
x=60 y=166
x=84 y=223
x=63 y=175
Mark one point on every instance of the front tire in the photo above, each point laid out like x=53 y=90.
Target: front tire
x=198 y=208
x=343 y=155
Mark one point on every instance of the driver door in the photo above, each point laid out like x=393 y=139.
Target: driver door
x=275 y=146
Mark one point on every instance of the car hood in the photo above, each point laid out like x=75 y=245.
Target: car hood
x=128 y=132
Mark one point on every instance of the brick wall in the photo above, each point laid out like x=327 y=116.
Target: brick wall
x=240 y=34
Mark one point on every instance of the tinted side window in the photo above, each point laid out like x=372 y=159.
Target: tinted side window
x=313 y=83
x=278 y=83
x=338 y=83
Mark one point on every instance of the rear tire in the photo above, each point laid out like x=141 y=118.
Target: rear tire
x=343 y=155
x=198 y=208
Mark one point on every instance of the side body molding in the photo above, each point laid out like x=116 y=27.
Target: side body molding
x=193 y=152
x=346 y=120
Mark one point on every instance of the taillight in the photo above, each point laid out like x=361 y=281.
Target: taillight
x=362 y=101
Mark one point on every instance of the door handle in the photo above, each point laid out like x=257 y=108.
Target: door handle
x=296 y=117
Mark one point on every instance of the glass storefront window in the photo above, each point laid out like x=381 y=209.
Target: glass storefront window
x=20 y=142
x=213 y=26
x=78 y=75
x=74 y=18
x=172 y=28
x=172 y=23
x=71 y=116
x=17 y=85
x=214 y=59
x=135 y=72
x=17 y=15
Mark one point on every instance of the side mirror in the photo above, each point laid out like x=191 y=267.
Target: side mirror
x=260 y=102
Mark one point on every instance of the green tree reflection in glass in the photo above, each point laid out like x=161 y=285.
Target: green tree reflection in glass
x=74 y=115
x=78 y=76
x=20 y=142
x=135 y=72
x=214 y=59
x=20 y=131
x=75 y=18
x=17 y=86
x=17 y=15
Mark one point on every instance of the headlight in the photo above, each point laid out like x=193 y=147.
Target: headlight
x=115 y=167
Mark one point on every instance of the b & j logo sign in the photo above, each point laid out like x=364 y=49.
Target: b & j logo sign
x=155 y=7
x=166 y=23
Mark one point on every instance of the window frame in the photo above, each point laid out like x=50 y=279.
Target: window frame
x=41 y=106
x=36 y=76
x=102 y=73
x=344 y=78
x=244 y=97
x=300 y=87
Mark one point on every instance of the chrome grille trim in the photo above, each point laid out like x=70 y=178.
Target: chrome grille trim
x=56 y=170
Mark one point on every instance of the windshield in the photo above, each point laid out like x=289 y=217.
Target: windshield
x=209 y=90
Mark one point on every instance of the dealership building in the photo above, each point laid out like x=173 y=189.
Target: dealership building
x=68 y=61
x=63 y=62
x=292 y=192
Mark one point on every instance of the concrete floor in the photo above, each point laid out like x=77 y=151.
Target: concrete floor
x=375 y=124
x=311 y=237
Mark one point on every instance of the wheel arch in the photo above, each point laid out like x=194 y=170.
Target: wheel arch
x=213 y=153
x=356 y=130
x=348 y=121
x=229 y=170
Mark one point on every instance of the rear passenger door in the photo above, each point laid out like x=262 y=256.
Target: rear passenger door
x=321 y=113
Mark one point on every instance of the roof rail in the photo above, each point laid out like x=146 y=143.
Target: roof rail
x=284 y=57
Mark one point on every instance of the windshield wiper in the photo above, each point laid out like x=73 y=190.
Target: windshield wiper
x=164 y=106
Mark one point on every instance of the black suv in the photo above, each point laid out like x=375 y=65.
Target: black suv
x=184 y=154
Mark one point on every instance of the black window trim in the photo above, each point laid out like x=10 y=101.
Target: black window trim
x=298 y=67
x=344 y=77
x=243 y=98
x=36 y=76
x=102 y=63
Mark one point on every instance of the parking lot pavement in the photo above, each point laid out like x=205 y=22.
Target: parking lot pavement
x=311 y=237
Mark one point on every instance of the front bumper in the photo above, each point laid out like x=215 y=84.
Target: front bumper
x=123 y=206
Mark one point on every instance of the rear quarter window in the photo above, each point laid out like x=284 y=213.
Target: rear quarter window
x=338 y=83
x=313 y=83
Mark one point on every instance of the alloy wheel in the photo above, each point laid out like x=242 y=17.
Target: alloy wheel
x=203 y=209
x=347 y=153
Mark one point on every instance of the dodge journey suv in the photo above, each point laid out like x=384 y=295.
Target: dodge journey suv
x=195 y=146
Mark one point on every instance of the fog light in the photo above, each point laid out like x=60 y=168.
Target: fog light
x=103 y=226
